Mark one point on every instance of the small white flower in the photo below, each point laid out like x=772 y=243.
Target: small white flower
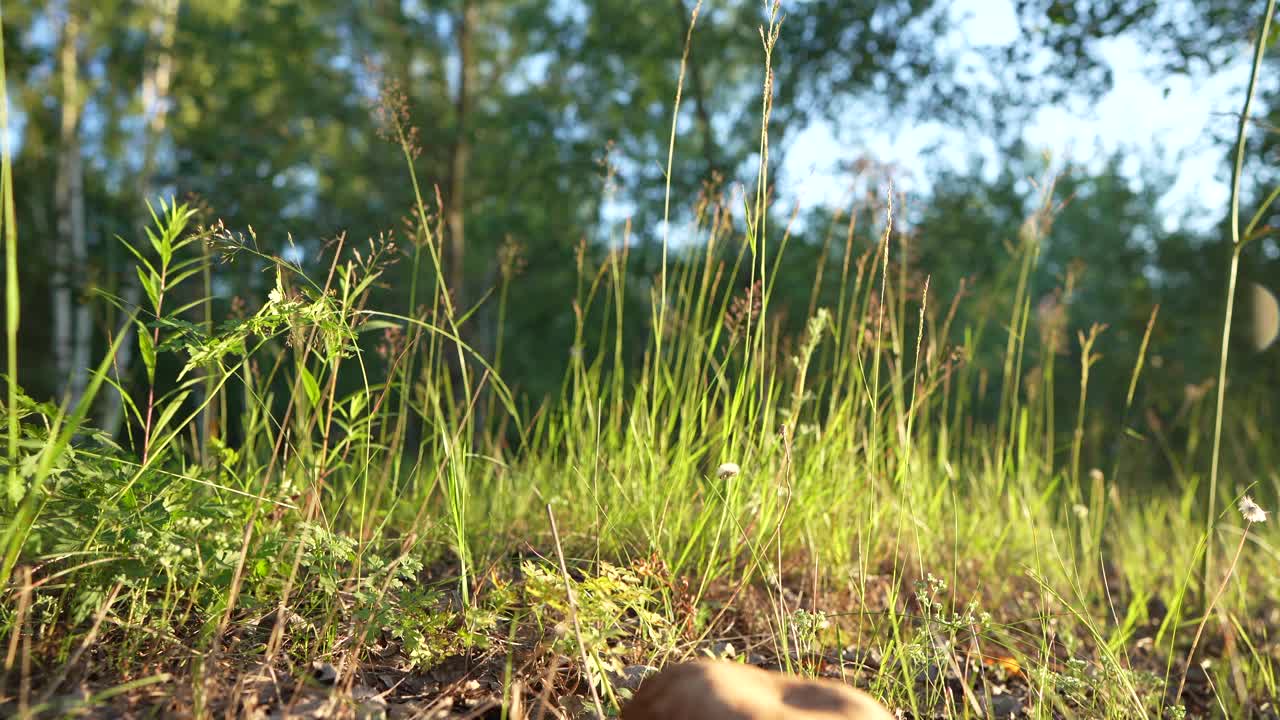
x=728 y=470
x=275 y=297
x=1250 y=510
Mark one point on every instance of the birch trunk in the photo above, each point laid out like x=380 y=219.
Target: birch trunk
x=71 y=321
x=156 y=79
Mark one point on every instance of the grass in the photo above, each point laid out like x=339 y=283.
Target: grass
x=388 y=507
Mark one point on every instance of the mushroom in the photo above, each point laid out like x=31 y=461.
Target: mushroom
x=723 y=690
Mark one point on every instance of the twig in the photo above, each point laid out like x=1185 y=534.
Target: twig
x=21 y=632
x=544 y=697
x=573 y=612
x=1195 y=642
x=85 y=644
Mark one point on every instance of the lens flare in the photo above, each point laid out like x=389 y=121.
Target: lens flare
x=1266 y=317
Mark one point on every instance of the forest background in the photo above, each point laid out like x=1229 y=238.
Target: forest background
x=543 y=127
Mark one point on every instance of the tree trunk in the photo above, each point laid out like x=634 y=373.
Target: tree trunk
x=156 y=78
x=71 y=321
x=460 y=157
x=455 y=199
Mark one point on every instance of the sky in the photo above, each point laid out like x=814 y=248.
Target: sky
x=1174 y=121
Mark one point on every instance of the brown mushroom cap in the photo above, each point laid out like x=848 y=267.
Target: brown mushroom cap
x=721 y=690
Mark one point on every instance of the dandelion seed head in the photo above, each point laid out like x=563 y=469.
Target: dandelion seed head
x=1250 y=510
x=728 y=470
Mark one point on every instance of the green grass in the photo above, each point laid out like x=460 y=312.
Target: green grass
x=385 y=489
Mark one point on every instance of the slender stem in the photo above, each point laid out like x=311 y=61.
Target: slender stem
x=12 y=298
x=1195 y=642
x=1260 y=213
x=151 y=389
x=666 y=201
x=573 y=611
x=1259 y=49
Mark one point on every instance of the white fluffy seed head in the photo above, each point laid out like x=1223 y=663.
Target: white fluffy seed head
x=1250 y=510
x=728 y=470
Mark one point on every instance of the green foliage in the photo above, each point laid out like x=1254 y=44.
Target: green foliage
x=606 y=602
x=150 y=531
x=617 y=615
x=286 y=143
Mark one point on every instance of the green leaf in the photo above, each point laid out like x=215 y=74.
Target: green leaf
x=310 y=385
x=177 y=278
x=159 y=245
x=169 y=410
x=150 y=284
x=147 y=349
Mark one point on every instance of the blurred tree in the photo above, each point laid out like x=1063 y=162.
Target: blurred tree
x=161 y=20
x=72 y=331
x=541 y=123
